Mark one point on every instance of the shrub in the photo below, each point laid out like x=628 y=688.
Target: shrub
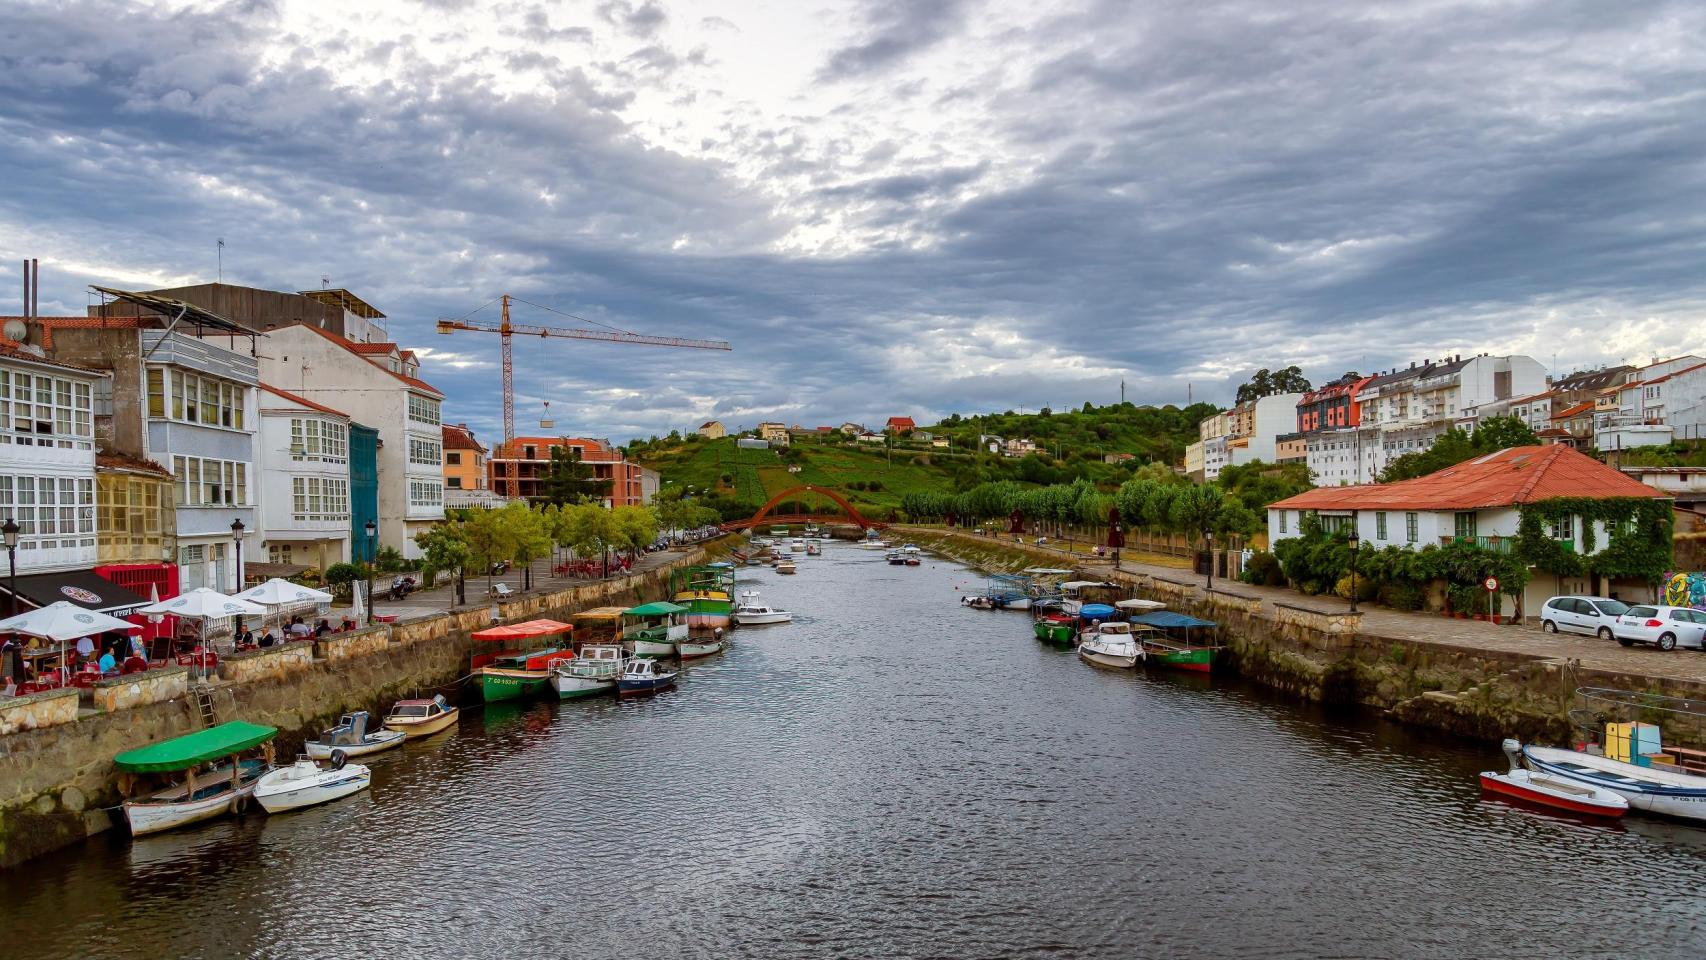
x=388 y=560
x=1365 y=588
x=1400 y=596
x=339 y=576
x=1263 y=570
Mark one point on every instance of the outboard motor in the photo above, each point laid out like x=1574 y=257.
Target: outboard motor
x=339 y=758
x=1513 y=753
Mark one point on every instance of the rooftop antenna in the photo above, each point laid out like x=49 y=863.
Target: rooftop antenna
x=220 y=253
x=325 y=283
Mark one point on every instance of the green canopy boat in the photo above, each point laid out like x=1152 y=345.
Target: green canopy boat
x=653 y=629
x=200 y=795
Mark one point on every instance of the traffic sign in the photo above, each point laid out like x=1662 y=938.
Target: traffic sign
x=1492 y=584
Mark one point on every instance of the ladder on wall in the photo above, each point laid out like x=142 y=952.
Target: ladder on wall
x=201 y=700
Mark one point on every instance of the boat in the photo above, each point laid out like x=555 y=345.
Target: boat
x=1649 y=789
x=785 y=566
x=421 y=718
x=797 y=545
x=872 y=541
x=645 y=676
x=752 y=613
x=654 y=629
x=1549 y=790
x=812 y=529
x=707 y=593
x=895 y=558
x=1057 y=628
x=350 y=737
x=593 y=671
x=1006 y=591
x=305 y=783
x=524 y=670
x=911 y=555
x=202 y=795
x=1114 y=645
x=1170 y=643
x=814 y=548
x=703 y=645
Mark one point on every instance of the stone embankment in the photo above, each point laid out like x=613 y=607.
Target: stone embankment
x=1486 y=689
x=57 y=780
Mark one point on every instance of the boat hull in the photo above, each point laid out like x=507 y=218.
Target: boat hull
x=281 y=796
x=152 y=816
x=654 y=648
x=695 y=649
x=1647 y=789
x=577 y=688
x=375 y=742
x=1059 y=634
x=759 y=619
x=1200 y=659
x=1522 y=785
x=412 y=728
x=1108 y=661
x=499 y=684
x=651 y=685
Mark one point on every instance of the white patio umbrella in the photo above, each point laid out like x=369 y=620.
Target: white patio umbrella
x=204 y=604
x=279 y=592
x=63 y=622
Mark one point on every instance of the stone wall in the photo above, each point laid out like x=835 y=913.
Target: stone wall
x=134 y=690
x=56 y=771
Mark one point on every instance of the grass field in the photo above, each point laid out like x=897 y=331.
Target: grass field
x=757 y=475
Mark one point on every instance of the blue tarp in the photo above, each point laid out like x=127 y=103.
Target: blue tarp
x=1167 y=620
x=1095 y=611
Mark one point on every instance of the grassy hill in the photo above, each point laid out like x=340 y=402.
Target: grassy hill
x=865 y=476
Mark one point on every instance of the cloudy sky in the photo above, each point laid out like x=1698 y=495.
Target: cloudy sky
x=887 y=207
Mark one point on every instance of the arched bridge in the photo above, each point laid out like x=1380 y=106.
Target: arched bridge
x=765 y=515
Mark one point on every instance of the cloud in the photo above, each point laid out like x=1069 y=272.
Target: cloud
x=895 y=29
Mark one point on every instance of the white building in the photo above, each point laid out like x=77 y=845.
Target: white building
x=378 y=385
x=1335 y=457
x=47 y=460
x=1262 y=422
x=1216 y=455
x=304 y=457
x=1662 y=402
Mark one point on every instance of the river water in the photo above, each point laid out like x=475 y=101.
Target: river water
x=891 y=775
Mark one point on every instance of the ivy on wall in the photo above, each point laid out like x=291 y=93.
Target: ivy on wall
x=1640 y=527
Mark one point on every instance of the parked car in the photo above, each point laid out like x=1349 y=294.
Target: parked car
x=1594 y=616
x=1664 y=627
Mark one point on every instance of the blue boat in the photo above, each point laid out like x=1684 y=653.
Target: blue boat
x=645 y=676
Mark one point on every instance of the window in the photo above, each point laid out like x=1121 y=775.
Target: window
x=1380 y=525
x=426 y=494
x=48 y=509
x=210 y=483
x=1411 y=522
x=324 y=440
x=278 y=553
x=429 y=452
x=1333 y=524
x=1282 y=515
x=1565 y=528
x=423 y=410
x=196 y=399
x=318 y=499
x=453 y=483
x=45 y=411
x=1465 y=525
x=453 y=459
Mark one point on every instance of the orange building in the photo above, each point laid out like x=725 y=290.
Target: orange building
x=528 y=461
x=464 y=459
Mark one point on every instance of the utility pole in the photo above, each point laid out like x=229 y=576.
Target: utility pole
x=220 y=253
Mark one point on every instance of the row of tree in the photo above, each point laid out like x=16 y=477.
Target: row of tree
x=480 y=539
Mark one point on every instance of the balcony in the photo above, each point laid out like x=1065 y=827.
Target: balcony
x=1494 y=544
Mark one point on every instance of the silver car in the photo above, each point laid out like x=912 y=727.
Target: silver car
x=1664 y=627
x=1594 y=616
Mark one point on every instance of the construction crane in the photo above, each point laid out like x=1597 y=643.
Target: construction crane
x=507 y=330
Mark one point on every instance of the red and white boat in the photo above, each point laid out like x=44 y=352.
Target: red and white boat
x=1551 y=791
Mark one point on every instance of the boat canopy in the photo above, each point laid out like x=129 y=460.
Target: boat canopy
x=1095 y=611
x=1168 y=620
x=1047 y=572
x=522 y=631
x=600 y=613
x=720 y=565
x=182 y=753
x=1137 y=604
x=1083 y=584
x=661 y=608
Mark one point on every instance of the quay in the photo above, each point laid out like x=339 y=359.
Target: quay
x=1470 y=678
x=57 y=778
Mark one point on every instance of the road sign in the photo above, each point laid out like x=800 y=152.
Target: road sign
x=1492 y=584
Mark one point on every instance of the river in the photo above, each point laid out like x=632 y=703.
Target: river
x=891 y=775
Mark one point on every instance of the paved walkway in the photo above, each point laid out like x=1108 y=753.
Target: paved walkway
x=1592 y=652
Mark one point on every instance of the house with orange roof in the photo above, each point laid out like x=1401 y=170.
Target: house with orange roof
x=1477 y=501
x=464 y=460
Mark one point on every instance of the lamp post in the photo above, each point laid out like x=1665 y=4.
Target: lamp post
x=372 y=554
x=237 y=537
x=1355 y=545
x=10 y=530
x=1208 y=538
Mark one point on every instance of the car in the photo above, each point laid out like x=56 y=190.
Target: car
x=1664 y=627
x=1594 y=616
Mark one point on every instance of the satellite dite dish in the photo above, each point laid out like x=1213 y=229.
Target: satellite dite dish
x=15 y=330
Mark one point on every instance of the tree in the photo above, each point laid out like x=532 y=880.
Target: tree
x=1455 y=446
x=1196 y=510
x=445 y=548
x=636 y=527
x=1265 y=383
x=570 y=480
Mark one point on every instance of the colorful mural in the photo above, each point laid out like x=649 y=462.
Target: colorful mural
x=1685 y=590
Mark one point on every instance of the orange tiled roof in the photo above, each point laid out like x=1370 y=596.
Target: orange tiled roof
x=1502 y=479
x=1585 y=406
x=372 y=347
x=119 y=461
x=591 y=450
x=16 y=353
x=458 y=437
x=354 y=348
x=293 y=398
x=1538 y=396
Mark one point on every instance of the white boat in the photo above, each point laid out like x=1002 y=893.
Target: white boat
x=785 y=566
x=796 y=545
x=1111 y=645
x=351 y=737
x=655 y=628
x=197 y=799
x=1550 y=790
x=306 y=783
x=593 y=672
x=1647 y=789
x=911 y=555
x=203 y=793
x=695 y=647
x=421 y=718
x=751 y=612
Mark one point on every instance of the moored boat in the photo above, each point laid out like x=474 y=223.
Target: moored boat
x=785 y=566
x=1057 y=628
x=201 y=795
x=352 y=738
x=1176 y=640
x=1112 y=645
x=1651 y=789
x=814 y=548
x=654 y=629
x=645 y=676
x=592 y=672
x=911 y=555
x=305 y=783
x=524 y=670
x=703 y=645
x=752 y=613
x=707 y=593
x=895 y=557
x=1549 y=790
x=421 y=718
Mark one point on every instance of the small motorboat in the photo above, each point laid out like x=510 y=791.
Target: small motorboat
x=351 y=736
x=1111 y=645
x=814 y=548
x=306 y=783
x=421 y=718
x=645 y=676
x=786 y=566
x=911 y=555
x=797 y=545
x=751 y=612
x=896 y=558
x=1647 y=789
x=701 y=646
x=593 y=672
x=1550 y=790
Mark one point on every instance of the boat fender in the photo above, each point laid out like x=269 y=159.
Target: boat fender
x=339 y=758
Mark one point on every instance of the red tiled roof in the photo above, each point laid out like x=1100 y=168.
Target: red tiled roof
x=1676 y=373
x=458 y=437
x=293 y=398
x=119 y=461
x=355 y=348
x=591 y=450
x=1538 y=396
x=372 y=347
x=1502 y=479
x=1585 y=406
x=901 y=423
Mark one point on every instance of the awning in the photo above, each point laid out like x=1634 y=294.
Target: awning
x=661 y=608
x=199 y=747
x=81 y=587
x=1168 y=620
x=522 y=631
x=255 y=572
x=600 y=613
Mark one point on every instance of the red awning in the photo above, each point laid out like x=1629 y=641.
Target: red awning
x=522 y=631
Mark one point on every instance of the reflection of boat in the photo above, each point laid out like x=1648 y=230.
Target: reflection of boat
x=644 y=676
x=421 y=718
x=1551 y=791
x=594 y=671
x=1648 y=789
x=655 y=629
x=525 y=670
x=306 y=783
x=751 y=612
x=1111 y=645
x=351 y=737
x=219 y=790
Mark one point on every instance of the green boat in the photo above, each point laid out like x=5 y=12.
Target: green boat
x=1171 y=644
x=526 y=670
x=1056 y=628
x=654 y=629
x=706 y=593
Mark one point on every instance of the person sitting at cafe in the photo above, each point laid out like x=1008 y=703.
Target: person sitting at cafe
x=299 y=630
x=85 y=648
x=267 y=639
x=322 y=628
x=246 y=638
x=108 y=663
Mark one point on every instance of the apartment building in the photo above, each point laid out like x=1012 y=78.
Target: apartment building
x=305 y=486
x=527 y=460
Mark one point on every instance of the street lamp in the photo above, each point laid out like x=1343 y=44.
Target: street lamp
x=1355 y=544
x=10 y=530
x=372 y=554
x=237 y=537
x=1208 y=538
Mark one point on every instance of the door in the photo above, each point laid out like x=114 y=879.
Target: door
x=1588 y=618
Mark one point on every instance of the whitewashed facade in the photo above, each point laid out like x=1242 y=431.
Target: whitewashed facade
x=305 y=481
x=47 y=461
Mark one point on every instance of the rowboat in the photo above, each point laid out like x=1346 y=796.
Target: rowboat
x=421 y=718
x=593 y=672
x=524 y=671
x=351 y=738
x=1648 y=789
x=201 y=795
x=1111 y=645
x=1551 y=791
x=654 y=629
x=644 y=676
x=694 y=648
x=305 y=783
